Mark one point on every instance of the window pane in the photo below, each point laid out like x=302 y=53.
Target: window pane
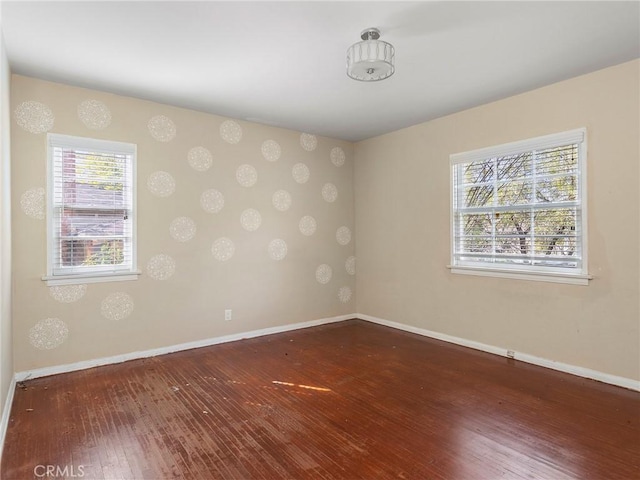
x=556 y=246
x=93 y=180
x=557 y=189
x=515 y=193
x=477 y=223
x=560 y=160
x=514 y=167
x=478 y=196
x=513 y=223
x=556 y=232
x=556 y=222
x=92 y=252
x=477 y=233
x=105 y=253
x=513 y=233
x=476 y=245
x=88 y=223
x=478 y=172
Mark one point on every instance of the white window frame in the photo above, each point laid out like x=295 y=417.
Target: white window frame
x=578 y=276
x=129 y=272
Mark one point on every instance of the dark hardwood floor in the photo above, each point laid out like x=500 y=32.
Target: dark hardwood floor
x=349 y=400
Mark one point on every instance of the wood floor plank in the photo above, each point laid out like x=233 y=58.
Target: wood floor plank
x=342 y=401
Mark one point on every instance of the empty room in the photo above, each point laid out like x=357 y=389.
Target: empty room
x=319 y=240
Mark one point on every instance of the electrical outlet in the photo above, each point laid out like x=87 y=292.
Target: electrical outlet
x=227 y=315
x=511 y=354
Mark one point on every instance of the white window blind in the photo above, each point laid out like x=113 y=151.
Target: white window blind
x=91 y=206
x=521 y=206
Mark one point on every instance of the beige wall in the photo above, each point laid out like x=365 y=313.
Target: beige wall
x=189 y=305
x=403 y=240
x=401 y=221
x=6 y=348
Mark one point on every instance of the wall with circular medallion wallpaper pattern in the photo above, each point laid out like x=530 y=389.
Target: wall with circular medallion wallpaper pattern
x=230 y=215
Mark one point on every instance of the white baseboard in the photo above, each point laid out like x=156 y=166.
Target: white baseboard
x=71 y=367
x=6 y=412
x=542 y=362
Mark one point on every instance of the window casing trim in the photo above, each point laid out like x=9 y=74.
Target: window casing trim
x=579 y=276
x=106 y=273
x=553 y=277
x=578 y=135
x=92 y=278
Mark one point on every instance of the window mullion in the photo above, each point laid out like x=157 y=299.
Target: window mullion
x=495 y=204
x=458 y=203
x=533 y=200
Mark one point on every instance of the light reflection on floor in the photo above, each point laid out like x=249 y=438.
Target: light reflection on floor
x=308 y=387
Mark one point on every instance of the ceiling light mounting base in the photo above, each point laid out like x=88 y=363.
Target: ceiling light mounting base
x=370 y=34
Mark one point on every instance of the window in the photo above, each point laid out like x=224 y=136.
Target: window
x=91 y=210
x=519 y=209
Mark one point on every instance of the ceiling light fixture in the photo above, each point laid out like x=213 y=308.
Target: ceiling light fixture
x=372 y=59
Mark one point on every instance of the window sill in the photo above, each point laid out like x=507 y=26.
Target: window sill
x=571 y=279
x=93 y=278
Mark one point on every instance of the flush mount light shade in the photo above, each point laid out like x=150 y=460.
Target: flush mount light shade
x=372 y=59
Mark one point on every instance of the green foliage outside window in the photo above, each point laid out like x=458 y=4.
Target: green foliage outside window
x=110 y=253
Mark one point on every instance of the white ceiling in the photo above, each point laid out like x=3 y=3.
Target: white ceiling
x=283 y=63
